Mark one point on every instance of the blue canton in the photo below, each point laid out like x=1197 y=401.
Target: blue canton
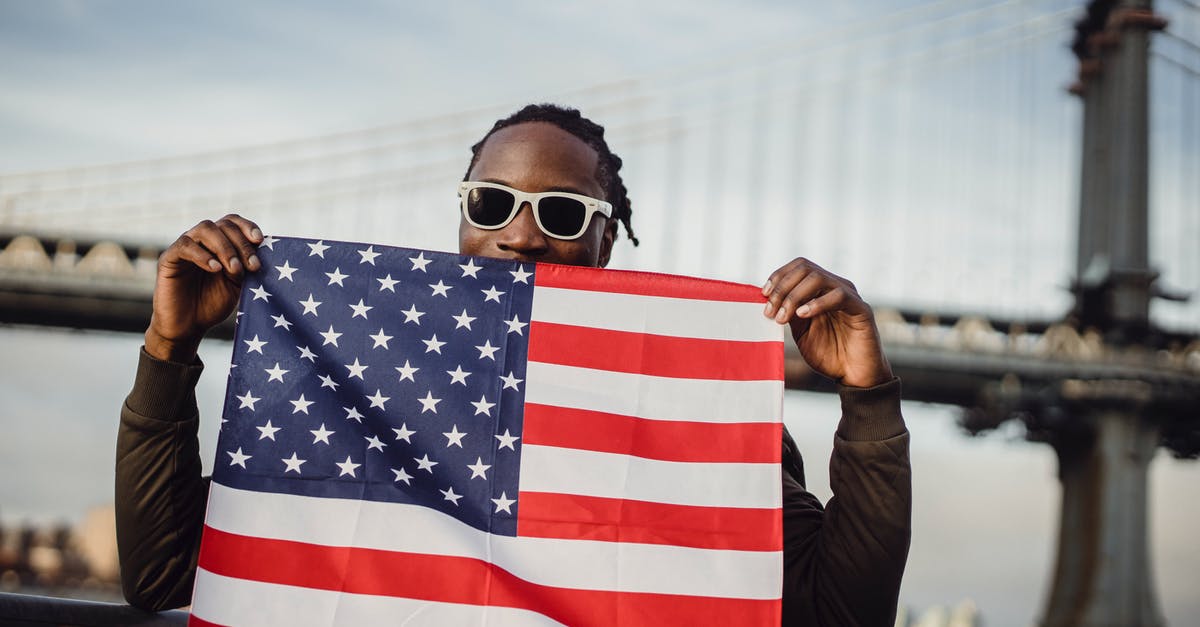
x=380 y=373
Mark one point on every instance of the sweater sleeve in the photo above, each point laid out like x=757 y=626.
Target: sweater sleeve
x=843 y=563
x=160 y=495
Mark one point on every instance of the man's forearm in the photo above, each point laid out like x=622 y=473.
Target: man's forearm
x=160 y=494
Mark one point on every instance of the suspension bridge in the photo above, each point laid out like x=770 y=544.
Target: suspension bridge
x=1024 y=219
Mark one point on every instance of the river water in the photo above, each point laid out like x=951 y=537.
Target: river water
x=984 y=509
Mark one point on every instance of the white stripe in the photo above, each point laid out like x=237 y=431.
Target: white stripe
x=680 y=317
x=592 y=565
x=230 y=601
x=654 y=398
x=589 y=473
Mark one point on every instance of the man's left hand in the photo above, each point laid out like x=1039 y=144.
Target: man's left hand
x=833 y=327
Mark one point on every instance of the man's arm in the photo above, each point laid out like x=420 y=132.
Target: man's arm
x=843 y=564
x=160 y=495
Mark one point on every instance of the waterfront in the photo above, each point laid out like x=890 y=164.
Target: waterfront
x=984 y=508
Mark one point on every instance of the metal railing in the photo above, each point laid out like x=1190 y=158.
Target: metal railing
x=29 y=609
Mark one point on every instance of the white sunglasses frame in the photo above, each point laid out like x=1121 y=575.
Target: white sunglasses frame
x=593 y=206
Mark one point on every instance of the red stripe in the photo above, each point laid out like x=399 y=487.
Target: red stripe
x=195 y=621
x=460 y=580
x=643 y=284
x=666 y=440
x=573 y=517
x=657 y=355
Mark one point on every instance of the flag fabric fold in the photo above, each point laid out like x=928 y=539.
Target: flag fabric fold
x=417 y=437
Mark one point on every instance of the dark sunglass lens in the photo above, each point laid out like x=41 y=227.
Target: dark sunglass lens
x=562 y=217
x=488 y=206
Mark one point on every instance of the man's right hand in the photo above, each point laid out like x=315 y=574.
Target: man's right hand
x=199 y=280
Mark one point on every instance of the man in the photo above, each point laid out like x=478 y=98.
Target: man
x=843 y=563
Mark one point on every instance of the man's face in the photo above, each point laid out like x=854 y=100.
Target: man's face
x=538 y=157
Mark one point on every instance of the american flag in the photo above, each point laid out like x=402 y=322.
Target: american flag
x=416 y=437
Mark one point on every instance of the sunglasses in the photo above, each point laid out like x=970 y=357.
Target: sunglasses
x=560 y=215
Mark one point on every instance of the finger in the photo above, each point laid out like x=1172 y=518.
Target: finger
x=186 y=249
x=212 y=237
x=813 y=285
x=248 y=227
x=246 y=249
x=783 y=281
x=797 y=263
x=838 y=299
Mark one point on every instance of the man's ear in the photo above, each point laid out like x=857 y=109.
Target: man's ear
x=606 y=243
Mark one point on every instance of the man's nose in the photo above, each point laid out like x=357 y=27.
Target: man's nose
x=522 y=235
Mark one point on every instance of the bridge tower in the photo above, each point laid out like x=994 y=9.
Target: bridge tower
x=1103 y=574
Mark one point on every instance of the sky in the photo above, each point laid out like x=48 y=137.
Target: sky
x=94 y=82
x=103 y=81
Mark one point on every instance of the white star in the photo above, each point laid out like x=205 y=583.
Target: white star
x=520 y=275
x=374 y=442
x=387 y=283
x=479 y=469
x=238 y=458
x=352 y=414
x=470 y=269
x=515 y=325
x=429 y=403
x=503 y=503
x=412 y=315
x=356 y=369
x=419 y=262
x=300 y=405
x=261 y=293
x=511 y=381
x=440 y=289
x=487 y=350
x=506 y=441
x=360 y=309
x=406 y=371
x=269 y=242
x=330 y=336
x=424 y=464
x=336 y=277
x=307 y=354
x=458 y=375
x=310 y=305
x=401 y=475
x=482 y=406
x=254 y=345
x=317 y=249
x=248 y=401
x=450 y=495
x=280 y=321
x=276 y=373
x=328 y=382
x=368 y=255
x=432 y=345
x=404 y=433
x=293 y=463
x=322 y=434
x=454 y=437
x=286 y=271
x=379 y=399
x=380 y=338
x=463 y=320
x=347 y=467
x=267 y=431
x=491 y=294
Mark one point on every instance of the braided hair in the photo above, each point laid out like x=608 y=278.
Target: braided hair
x=570 y=120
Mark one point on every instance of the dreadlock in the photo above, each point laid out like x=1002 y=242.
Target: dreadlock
x=570 y=120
